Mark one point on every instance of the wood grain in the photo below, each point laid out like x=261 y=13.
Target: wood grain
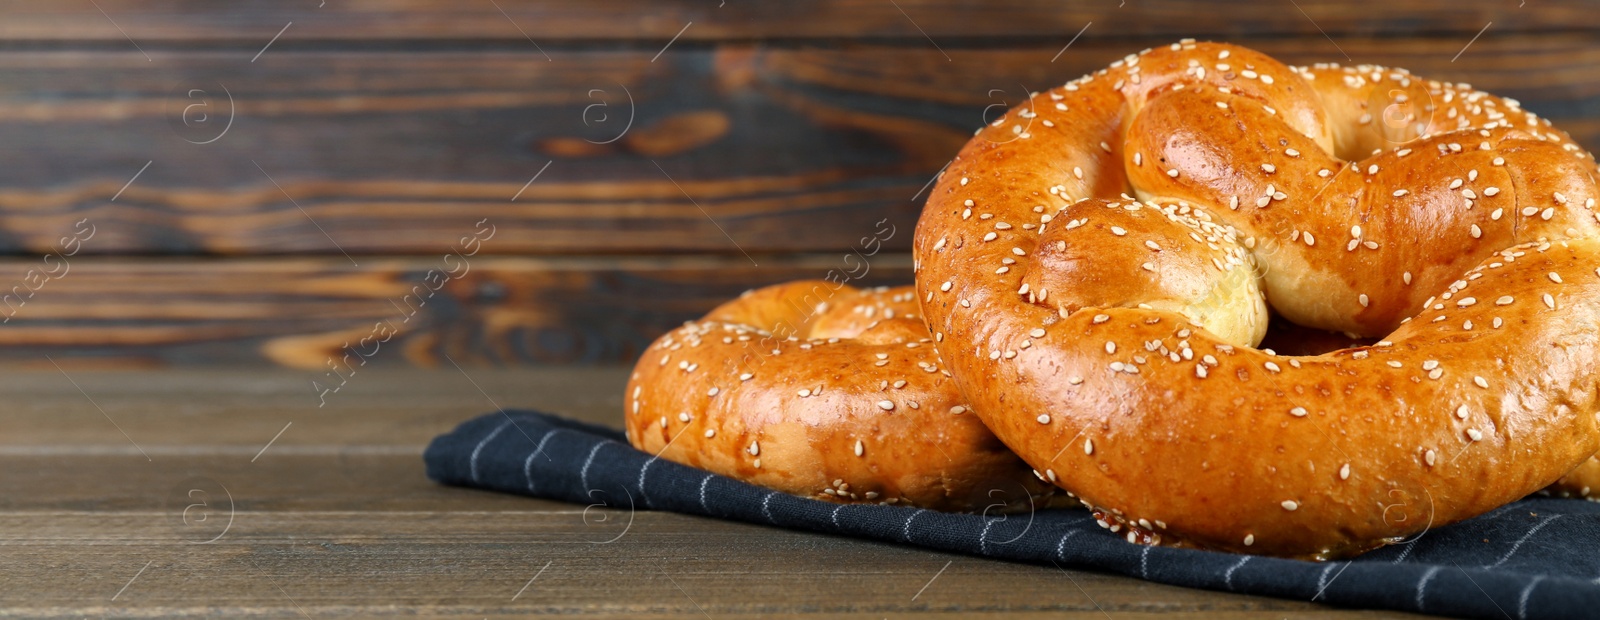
x=550 y=24
x=731 y=148
x=304 y=312
x=336 y=520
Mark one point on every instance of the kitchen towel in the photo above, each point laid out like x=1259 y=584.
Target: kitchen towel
x=1536 y=558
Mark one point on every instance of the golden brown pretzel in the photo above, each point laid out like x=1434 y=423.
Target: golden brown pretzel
x=1110 y=342
x=826 y=391
x=1582 y=482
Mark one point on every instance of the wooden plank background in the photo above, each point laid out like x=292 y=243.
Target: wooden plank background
x=334 y=518
x=638 y=161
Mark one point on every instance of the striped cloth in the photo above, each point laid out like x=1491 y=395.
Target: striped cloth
x=1537 y=558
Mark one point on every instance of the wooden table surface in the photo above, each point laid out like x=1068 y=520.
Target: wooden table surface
x=231 y=493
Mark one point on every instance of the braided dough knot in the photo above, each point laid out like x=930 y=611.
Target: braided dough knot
x=1099 y=265
x=826 y=391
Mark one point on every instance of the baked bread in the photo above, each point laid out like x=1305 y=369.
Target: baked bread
x=1098 y=266
x=1583 y=482
x=825 y=391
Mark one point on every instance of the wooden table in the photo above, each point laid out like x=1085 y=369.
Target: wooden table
x=114 y=482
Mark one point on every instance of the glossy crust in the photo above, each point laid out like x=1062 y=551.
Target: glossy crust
x=1110 y=342
x=824 y=391
x=1583 y=482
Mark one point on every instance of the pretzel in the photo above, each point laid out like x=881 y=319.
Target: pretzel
x=822 y=390
x=1583 y=482
x=1111 y=340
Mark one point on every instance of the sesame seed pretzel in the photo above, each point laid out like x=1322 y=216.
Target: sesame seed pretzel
x=1110 y=341
x=826 y=391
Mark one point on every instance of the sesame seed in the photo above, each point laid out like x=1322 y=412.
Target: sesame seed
x=1481 y=382
x=1118 y=231
x=713 y=391
x=946 y=286
x=1407 y=277
x=1394 y=364
x=1549 y=301
x=746 y=377
x=1475 y=434
x=1400 y=192
x=804 y=392
x=1490 y=191
x=963 y=181
x=1462 y=412
x=1505 y=301
x=1430 y=364
x=1152 y=245
x=1269 y=168
x=1466 y=301
x=1101 y=318
x=711 y=432
x=1111 y=347
x=1344 y=472
x=860 y=449
x=1555 y=277
x=1173 y=173
x=1044 y=418
x=1291 y=505
x=886 y=405
x=1365 y=301
x=1498 y=322
x=755 y=449
x=1310 y=240
x=1355 y=231
x=1138 y=159
x=1298 y=412
x=1036 y=333
x=1249 y=539
x=1476 y=232
x=1429 y=456
x=1273 y=366
x=1088 y=446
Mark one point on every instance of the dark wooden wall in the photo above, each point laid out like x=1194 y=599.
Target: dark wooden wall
x=289 y=197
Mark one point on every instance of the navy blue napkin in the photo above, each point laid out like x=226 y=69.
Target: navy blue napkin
x=1536 y=558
